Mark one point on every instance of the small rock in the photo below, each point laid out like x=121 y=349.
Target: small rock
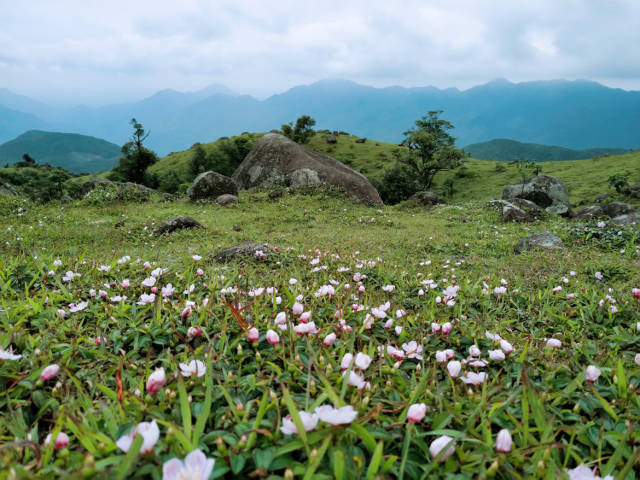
x=542 y=239
x=227 y=200
x=177 y=223
x=236 y=228
x=244 y=250
x=361 y=140
x=602 y=198
x=593 y=211
x=511 y=213
x=428 y=198
x=332 y=139
x=627 y=219
x=615 y=209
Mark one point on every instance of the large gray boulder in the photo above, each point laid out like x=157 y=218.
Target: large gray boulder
x=588 y=213
x=276 y=160
x=542 y=239
x=545 y=191
x=244 y=250
x=211 y=185
x=7 y=189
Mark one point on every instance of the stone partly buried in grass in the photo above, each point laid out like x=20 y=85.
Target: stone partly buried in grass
x=542 y=239
x=244 y=250
x=177 y=223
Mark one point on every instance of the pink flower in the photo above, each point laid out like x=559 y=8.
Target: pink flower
x=474 y=351
x=346 y=361
x=297 y=308
x=439 y=444
x=592 y=374
x=149 y=282
x=635 y=292
x=309 y=422
x=496 y=355
x=304 y=318
x=281 y=317
x=362 y=361
x=583 y=472
x=194 y=367
x=506 y=346
x=186 y=313
x=329 y=339
x=49 y=372
x=441 y=357
x=474 y=378
x=62 y=440
x=446 y=328
x=272 y=337
x=304 y=328
x=416 y=412
x=253 y=335
x=454 y=367
x=503 y=441
x=200 y=272
x=156 y=381
x=194 y=331
x=195 y=466
x=150 y=434
x=553 y=343
x=637 y=359
x=449 y=353
x=336 y=416
x=356 y=380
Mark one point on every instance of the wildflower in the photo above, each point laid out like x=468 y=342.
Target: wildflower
x=147 y=299
x=304 y=328
x=474 y=378
x=336 y=416
x=156 y=381
x=150 y=434
x=57 y=263
x=292 y=281
x=125 y=283
x=592 y=373
x=329 y=339
x=599 y=275
x=583 y=472
x=553 y=343
x=601 y=224
x=439 y=444
x=474 y=351
x=398 y=330
x=362 y=361
x=104 y=268
x=496 y=355
x=416 y=412
x=446 y=328
x=454 y=367
x=77 y=307
x=197 y=258
x=346 y=361
x=388 y=288
x=440 y=356
x=194 y=331
x=449 y=353
x=194 y=367
x=356 y=380
x=500 y=290
x=492 y=336
x=297 y=308
x=309 y=422
x=49 y=372
x=395 y=352
x=506 y=346
x=304 y=318
x=253 y=334
x=67 y=277
x=281 y=317
x=186 y=312
x=62 y=440
x=149 y=282
x=503 y=441
x=9 y=355
x=272 y=337
x=435 y=327
x=637 y=359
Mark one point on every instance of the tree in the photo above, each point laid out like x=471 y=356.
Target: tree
x=198 y=161
x=136 y=157
x=431 y=148
x=302 y=131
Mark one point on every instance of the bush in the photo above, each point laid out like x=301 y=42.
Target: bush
x=397 y=184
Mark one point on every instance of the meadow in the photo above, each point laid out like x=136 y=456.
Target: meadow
x=397 y=342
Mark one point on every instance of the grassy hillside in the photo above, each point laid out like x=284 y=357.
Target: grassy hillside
x=41 y=183
x=73 y=152
x=506 y=150
x=477 y=180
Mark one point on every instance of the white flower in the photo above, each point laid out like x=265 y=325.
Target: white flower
x=439 y=444
x=336 y=416
x=496 y=355
x=356 y=380
x=8 y=355
x=147 y=299
x=149 y=282
x=474 y=378
x=362 y=361
x=197 y=258
x=196 y=466
x=553 y=343
x=309 y=422
x=195 y=367
x=150 y=435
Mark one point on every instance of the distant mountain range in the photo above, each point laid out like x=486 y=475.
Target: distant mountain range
x=75 y=153
x=571 y=114
x=505 y=150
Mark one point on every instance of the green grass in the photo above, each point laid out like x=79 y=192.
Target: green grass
x=234 y=412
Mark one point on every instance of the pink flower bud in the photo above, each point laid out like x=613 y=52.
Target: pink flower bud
x=304 y=318
x=272 y=337
x=553 y=343
x=297 y=308
x=446 y=328
x=593 y=373
x=186 y=313
x=194 y=331
x=503 y=441
x=253 y=335
x=49 y=372
x=454 y=367
x=506 y=346
x=156 y=381
x=329 y=339
x=416 y=412
x=62 y=440
x=435 y=327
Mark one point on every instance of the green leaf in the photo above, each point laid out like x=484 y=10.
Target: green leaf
x=374 y=465
x=185 y=407
x=130 y=457
x=622 y=381
x=338 y=464
x=295 y=416
x=364 y=435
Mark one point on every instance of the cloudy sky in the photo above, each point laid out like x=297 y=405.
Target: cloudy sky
x=96 y=52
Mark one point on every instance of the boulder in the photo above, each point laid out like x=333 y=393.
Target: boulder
x=8 y=190
x=593 y=211
x=332 y=139
x=361 y=140
x=602 y=198
x=542 y=239
x=211 y=185
x=511 y=213
x=615 y=209
x=227 y=200
x=627 y=219
x=633 y=190
x=177 y=223
x=528 y=206
x=90 y=185
x=428 y=198
x=547 y=192
x=276 y=160
x=122 y=191
x=244 y=250
x=497 y=205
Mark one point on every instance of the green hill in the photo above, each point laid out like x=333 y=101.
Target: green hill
x=505 y=150
x=73 y=152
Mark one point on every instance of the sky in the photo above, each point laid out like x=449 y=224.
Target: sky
x=97 y=52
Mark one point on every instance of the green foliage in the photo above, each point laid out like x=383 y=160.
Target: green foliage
x=198 y=162
x=136 y=158
x=619 y=182
x=527 y=168
x=397 y=184
x=41 y=183
x=302 y=131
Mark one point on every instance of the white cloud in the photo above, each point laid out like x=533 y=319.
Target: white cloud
x=120 y=48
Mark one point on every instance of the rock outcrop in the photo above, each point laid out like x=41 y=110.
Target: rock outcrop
x=427 y=198
x=276 y=160
x=177 y=223
x=210 y=185
x=244 y=250
x=549 y=193
x=542 y=239
x=7 y=189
